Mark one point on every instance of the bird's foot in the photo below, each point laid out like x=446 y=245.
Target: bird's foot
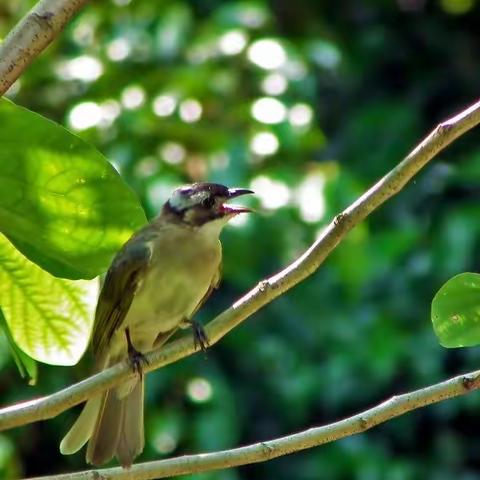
x=137 y=359
x=200 y=338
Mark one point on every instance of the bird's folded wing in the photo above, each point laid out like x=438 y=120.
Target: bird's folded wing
x=121 y=283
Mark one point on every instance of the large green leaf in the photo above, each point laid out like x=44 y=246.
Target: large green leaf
x=456 y=311
x=26 y=365
x=61 y=202
x=49 y=318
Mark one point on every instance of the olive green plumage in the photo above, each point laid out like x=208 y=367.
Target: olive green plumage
x=154 y=285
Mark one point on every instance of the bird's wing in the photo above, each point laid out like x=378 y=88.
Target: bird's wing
x=118 y=290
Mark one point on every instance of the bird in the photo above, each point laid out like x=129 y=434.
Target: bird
x=155 y=284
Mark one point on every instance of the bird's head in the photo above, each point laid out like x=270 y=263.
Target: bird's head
x=201 y=203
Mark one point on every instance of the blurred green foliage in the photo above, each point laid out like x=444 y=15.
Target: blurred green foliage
x=308 y=103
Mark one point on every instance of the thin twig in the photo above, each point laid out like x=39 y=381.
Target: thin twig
x=266 y=290
x=262 y=451
x=32 y=35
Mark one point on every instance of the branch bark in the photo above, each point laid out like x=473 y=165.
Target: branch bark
x=262 y=451
x=267 y=290
x=32 y=35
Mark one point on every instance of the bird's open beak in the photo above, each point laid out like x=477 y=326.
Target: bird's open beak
x=234 y=193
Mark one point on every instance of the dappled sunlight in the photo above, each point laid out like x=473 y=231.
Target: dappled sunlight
x=172 y=152
x=118 y=49
x=300 y=115
x=190 y=110
x=267 y=54
x=274 y=84
x=84 y=67
x=239 y=221
x=264 y=143
x=85 y=115
x=164 y=105
x=232 y=42
x=147 y=167
x=111 y=110
x=268 y=110
x=272 y=194
x=83 y=33
x=310 y=197
x=199 y=390
x=164 y=442
x=133 y=97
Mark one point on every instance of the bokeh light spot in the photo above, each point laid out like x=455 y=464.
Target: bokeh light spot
x=264 y=143
x=274 y=84
x=232 y=42
x=133 y=97
x=300 y=115
x=268 y=110
x=118 y=49
x=267 y=54
x=85 y=115
x=164 y=105
x=111 y=109
x=310 y=198
x=172 y=153
x=272 y=194
x=199 y=390
x=239 y=221
x=85 y=68
x=164 y=443
x=190 y=110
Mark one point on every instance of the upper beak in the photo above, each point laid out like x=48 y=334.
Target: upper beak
x=237 y=192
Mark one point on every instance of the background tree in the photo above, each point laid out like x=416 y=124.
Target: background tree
x=174 y=92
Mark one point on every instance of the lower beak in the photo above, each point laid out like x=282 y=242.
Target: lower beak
x=233 y=193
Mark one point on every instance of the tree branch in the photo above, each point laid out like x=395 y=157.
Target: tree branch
x=33 y=34
x=262 y=451
x=266 y=291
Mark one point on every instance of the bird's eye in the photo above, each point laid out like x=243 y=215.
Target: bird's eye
x=208 y=202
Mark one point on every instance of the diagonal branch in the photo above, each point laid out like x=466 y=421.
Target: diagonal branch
x=267 y=290
x=262 y=451
x=35 y=31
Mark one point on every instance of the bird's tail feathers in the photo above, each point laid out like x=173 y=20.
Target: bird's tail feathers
x=119 y=428
x=83 y=427
x=132 y=438
x=112 y=423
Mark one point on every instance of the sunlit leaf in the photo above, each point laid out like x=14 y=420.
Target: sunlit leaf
x=49 y=318
x=61 y=203
x=26 y=365
x=456 y=311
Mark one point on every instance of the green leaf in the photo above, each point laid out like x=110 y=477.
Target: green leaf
x=456 y=311
x=50 y=318
x=26 y=365
x=61 y=202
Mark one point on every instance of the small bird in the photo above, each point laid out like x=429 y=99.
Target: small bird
x=155 y=284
